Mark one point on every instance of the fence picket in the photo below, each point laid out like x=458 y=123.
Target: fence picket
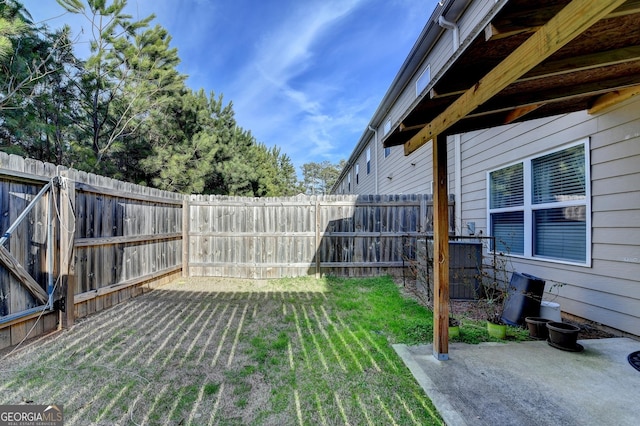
x=279 y=237
x=126 y=235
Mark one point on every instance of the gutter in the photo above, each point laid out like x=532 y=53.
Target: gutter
x=432 y=31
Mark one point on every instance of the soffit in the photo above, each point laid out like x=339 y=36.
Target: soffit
x=598 y=67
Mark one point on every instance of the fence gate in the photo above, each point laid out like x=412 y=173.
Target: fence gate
x=27 y=251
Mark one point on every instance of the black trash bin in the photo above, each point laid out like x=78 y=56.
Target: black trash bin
x=523 y=298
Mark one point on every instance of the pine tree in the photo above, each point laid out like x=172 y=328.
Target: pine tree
x=130 y=72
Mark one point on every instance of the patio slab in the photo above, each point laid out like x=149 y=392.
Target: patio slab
x=530 y=383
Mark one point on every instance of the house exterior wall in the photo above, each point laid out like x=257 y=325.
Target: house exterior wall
x=608 y=290
x=439 y=58
x=397 y=173
x=404 y=180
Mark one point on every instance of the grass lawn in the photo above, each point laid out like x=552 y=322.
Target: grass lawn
x=217 y=351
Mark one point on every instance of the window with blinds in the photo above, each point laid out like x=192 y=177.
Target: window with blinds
x=559 y=176
x=507 y=187
x=539 y=208
x=506 y=201
x=508 y=228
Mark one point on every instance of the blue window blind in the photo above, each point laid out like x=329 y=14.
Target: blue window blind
x=560 y=233
x=508 y=229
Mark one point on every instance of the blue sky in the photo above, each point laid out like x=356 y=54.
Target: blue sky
x=305 y=75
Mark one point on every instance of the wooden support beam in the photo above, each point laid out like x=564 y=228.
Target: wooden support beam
x=12 y=264
x=590 y=61
x=530 y=20
x=105 y=241
x=440 y=250
x=568 y=24
x=404 y=128
x=492 y=32
x=67 y=255
x=520 y=112
x=572 y=65
x=612 y=98
x=629 y=7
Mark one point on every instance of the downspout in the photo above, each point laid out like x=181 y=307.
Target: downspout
x=375 y=154
x=457 y=138
x=451 y=26
x=457 y=220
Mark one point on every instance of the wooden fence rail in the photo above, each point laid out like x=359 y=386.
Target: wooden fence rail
x=274 y=237
x=83 y=241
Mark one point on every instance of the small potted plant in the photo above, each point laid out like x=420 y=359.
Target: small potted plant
x=495 y=286
x=495 y=326
x=564 y=336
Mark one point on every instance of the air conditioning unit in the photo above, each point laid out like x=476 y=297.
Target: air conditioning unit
x=465 y=268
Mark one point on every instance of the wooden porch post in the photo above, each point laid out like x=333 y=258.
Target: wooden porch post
x=67 y=243
x=440 y=250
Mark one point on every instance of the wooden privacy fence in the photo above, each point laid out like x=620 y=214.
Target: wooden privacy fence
x=78 y=243
x=73 y=243
x=278 y=237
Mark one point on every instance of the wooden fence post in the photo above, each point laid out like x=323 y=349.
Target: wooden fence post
x=67 y=237
x=318 y=238
x=185 y=236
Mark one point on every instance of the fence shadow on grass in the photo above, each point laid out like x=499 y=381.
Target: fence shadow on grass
x=195 y=354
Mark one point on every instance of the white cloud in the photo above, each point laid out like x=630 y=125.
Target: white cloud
x=268 y=79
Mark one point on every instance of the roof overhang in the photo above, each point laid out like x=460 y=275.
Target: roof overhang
x=533 y=59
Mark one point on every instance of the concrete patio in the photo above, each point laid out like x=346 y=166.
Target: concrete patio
x=530 y=383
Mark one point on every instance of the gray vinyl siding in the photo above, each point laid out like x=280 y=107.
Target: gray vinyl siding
x=608 y=291
x=367 y=181
x=440 y=56
x=400 y=174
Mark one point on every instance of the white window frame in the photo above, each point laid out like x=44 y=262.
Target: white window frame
x=529 y=208
x=387 y=127
x=423 y=81
x=357 y=174
x=368 y=160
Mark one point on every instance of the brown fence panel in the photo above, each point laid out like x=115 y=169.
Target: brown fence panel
x=28 y=248
x=20 y=182
x=251 y=237
x=116 y=238
x=347 y=235
x=124 y=235
x=112 y=239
